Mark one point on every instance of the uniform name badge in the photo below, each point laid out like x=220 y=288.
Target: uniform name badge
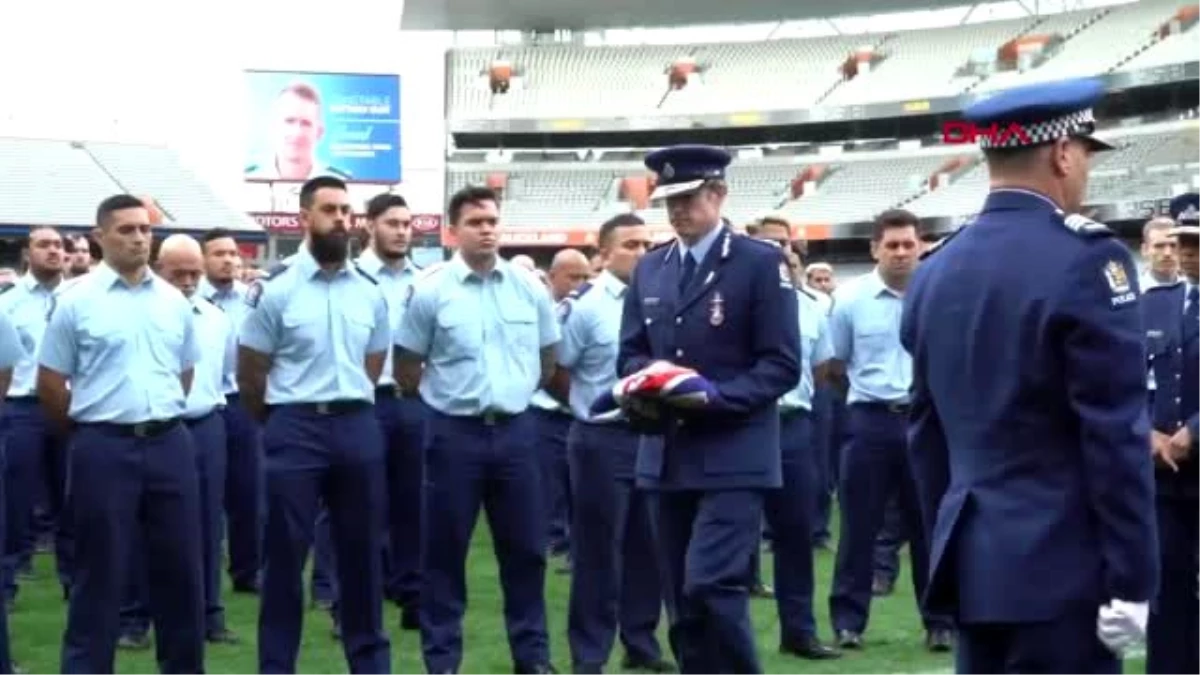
x=716 y=310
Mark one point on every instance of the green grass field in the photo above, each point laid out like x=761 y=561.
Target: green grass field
x=894 y=640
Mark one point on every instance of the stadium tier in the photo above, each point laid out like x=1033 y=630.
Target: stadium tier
x=1152 y=161
x=57 y=182
x=571 y=81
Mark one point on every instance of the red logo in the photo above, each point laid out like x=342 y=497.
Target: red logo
x=968 y=133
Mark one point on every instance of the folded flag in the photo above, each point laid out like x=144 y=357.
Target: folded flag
x=665 y=382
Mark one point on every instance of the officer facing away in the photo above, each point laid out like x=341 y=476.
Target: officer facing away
x=615 y=580
x=311 y=350
x=485 y=331
x=1172 y=321
x=125 y=341
x=1029 y=431
x=723 y=305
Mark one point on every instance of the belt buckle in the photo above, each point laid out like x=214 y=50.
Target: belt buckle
x=897 y=407
x=142 y=429
x=323 y=408
x=489 y=418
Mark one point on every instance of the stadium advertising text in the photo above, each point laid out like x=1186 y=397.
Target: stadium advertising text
x=554 y=237
x=289 y=223
x=961 y=132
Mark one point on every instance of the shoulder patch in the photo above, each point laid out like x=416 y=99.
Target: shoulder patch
x=1119 y=283
x=366 y=275
x=1086 y=227
x=581 y=291
x=6 y=287
x=254 y=294
x=563 y=310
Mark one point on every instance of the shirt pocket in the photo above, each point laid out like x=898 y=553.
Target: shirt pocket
x=873 y=343
x=306 y=328
x=520 y=328
x=358 y=324
x=459 y=336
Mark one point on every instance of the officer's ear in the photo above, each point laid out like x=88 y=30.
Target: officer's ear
x=1061 y=157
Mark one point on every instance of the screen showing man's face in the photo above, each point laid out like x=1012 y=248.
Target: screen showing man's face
x=298 y=128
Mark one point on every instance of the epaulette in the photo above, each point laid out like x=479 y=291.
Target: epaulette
x=275 y=270
x=939 y=244
x=581 y=291
x=6 y=287
x=366 y=275
x=662 y=244
x=1086 y=227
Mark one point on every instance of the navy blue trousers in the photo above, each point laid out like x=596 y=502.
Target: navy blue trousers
x=874 y=468
x=245 y=502
x=788 y=511
x=121 y=486
x=614 y=568
x=208 y=437
x=552 y=430
x=5 y=656
x=336 y=459
x=403 y=424
x=1173 y=640
x=1067 y=644
x=474 y=462
x=824 y=469
x=36 y=473
x=891 y=537
x=706 y=540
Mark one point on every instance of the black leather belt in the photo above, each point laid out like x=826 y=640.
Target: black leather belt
x=387 y=391
x=788 y=413
x=149 y=429
x=332 y=408
x=895 y=407
x=22 y=399
x=492 y=418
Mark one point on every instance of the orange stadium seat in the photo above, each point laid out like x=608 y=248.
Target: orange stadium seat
x=500 y=76
x=680 y=71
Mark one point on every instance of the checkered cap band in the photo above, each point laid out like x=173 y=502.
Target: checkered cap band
x=1079 y=123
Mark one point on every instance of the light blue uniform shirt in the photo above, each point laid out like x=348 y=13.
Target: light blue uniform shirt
x=122 y=347
x=394 y=284
x=864 y=328
x=215 y=336
x=318 y=328
x=481 y=337
x=12 y=353
x=232 y=301
x=27 y=304
x=591 y=331
x=815 y=349
x=700 y=250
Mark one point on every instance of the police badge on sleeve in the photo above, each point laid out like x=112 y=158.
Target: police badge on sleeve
x=1118 y=283
x=254 y=294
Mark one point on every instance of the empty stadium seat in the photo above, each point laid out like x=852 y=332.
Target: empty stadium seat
x=51 y=182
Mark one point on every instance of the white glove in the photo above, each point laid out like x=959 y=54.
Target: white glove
x=1122 y=624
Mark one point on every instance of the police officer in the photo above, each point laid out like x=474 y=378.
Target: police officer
x=568 y=271
x=389 y=223
x=12 y=352
x=1029 y=432
x=36 y=454
x=789 y=510
x=181 y=264
x=310 y=352
x=1172 y=321
x=485 y=331
x=724 y=305
x=243 y=498
x=126 y=342
x=615 y=580
x=864 y=328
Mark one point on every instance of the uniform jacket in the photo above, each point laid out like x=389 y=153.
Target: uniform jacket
x=1173 y=350
x=736 y=324
x=1028 y=435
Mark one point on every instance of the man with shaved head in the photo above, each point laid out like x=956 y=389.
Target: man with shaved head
x=181 y=264
x=568 y=271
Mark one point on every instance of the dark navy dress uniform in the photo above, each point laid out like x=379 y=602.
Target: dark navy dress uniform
x=1029 y=432
x=132 y=467
x=322 y=444
x=12 y=352
x=36 y=453
x=615 y=577
x=481 y=337
x=725 y=307
x=1172 y=324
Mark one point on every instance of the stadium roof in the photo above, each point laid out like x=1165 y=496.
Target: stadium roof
x=547 y=15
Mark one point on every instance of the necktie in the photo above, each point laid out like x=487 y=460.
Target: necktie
x=1192 y=311
x=689 y=271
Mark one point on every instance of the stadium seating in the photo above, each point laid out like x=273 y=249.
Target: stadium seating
x=61 y=182
x=567 y=81
x=1150 y=163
